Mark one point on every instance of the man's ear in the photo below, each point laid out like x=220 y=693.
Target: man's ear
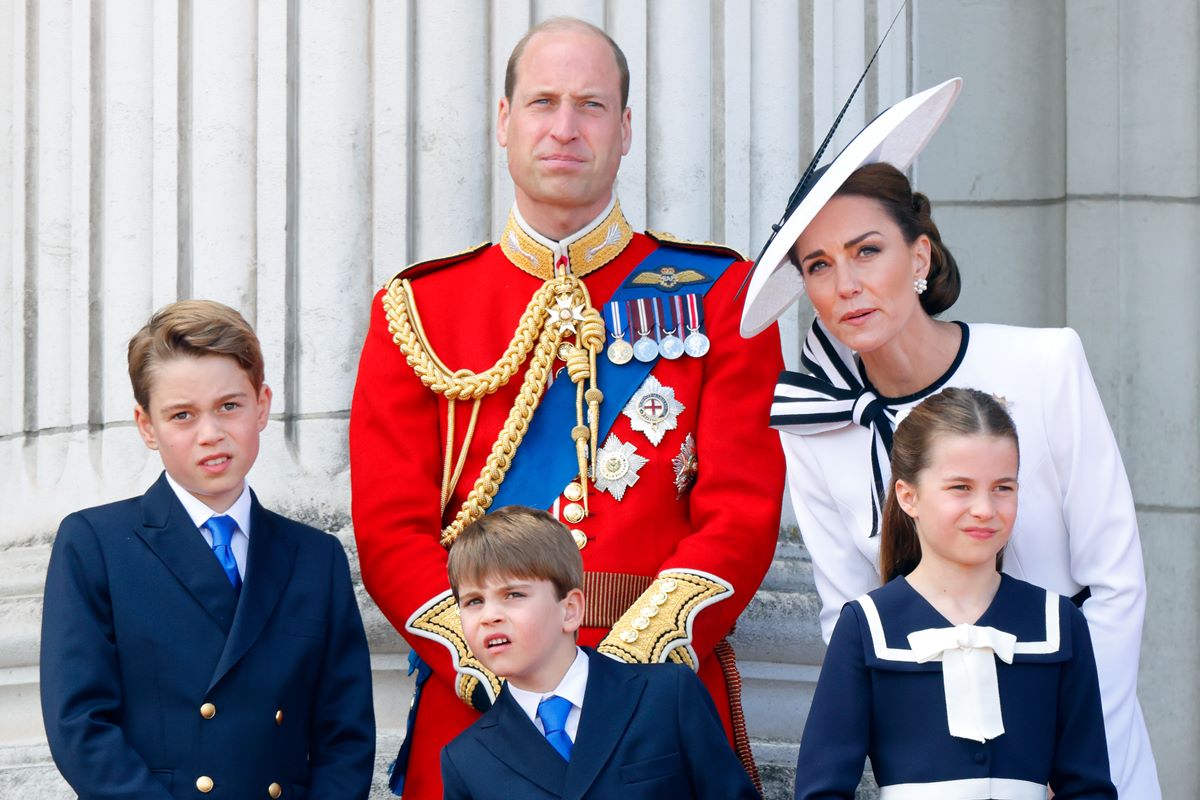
x=573 y=608
x=906 y=496
x=502 y=123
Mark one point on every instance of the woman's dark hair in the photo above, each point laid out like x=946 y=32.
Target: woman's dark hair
x=911 y=212
x=952 y=412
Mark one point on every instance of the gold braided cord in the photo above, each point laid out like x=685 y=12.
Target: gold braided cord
x=408 y=333
x=537 y=339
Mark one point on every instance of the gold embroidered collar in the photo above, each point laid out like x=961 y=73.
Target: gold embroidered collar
x=586 y=250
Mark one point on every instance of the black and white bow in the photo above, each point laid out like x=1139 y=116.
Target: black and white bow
x=834 y=395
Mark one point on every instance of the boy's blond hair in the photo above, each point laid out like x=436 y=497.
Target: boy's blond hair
x=517 y=542
x=192 y=328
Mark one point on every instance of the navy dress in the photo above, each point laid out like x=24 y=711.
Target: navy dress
x=875 y=700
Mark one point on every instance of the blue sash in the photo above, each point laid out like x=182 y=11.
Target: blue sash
x=546 y=461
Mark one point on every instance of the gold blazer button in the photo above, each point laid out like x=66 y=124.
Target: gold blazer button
x=208 y=711
x=204 y=784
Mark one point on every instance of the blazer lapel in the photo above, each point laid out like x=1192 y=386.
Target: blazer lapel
x=269 y=563
x=509 y=734
x=608 y=704
x=168 y=531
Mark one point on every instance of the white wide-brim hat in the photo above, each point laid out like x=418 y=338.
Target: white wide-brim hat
x=896 y=136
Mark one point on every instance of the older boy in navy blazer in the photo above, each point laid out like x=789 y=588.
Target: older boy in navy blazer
x=193 y=642
x=569 y=722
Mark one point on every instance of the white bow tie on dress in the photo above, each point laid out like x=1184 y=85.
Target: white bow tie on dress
x=968 y=675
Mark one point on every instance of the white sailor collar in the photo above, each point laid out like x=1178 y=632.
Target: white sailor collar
x=1037 y=618
x=586 y=250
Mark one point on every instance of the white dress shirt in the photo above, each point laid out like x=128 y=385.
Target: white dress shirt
x=572 y=687
x=200 y=514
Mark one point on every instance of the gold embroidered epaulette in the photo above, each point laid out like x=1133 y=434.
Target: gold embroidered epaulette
x=662 y=237
x=658 y=627
x=425 y=267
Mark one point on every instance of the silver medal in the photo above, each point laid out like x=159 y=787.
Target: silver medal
x=671 y=346
x=696 y=344
x=645 y=349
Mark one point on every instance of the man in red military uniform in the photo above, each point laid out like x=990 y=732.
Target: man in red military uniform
x=575 y=366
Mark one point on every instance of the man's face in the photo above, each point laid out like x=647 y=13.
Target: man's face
x=564 y=127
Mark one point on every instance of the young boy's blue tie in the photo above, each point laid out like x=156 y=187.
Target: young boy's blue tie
x=222 y=529
x=553 y=713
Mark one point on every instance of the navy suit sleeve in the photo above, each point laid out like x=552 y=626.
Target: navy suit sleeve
x=80 y=680
x=713 y=767
x=1080 y=770
x=453 y=787
x=833 y=748
x=342 y=744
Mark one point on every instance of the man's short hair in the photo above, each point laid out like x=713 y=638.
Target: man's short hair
x=565 y=24
x=192 y=328
x=516 y=542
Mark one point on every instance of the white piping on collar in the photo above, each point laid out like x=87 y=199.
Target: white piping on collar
x=905 y=654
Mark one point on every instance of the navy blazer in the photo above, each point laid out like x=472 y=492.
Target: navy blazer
x=645 y=731
x=158 y=679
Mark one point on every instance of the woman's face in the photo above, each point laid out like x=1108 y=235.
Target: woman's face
x=965 y=501
x=859 y=272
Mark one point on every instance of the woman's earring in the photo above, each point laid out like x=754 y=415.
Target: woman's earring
x=920 y=285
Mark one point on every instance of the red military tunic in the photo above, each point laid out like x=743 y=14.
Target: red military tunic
x=716 y=538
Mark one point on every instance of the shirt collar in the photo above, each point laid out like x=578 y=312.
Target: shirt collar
x=200 y=513
x=585 y=250
x=573 y=687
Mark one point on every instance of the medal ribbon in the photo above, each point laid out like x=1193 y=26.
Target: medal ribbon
x=616 y=326
x=642 y=319
x=693 y=313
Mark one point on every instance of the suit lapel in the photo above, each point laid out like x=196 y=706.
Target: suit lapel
x=612 y=696
x=509 y=734
x=268 y=567
x=168 y=531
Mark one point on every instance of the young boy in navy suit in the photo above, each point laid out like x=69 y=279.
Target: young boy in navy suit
x=192 y=641
x=569 y=722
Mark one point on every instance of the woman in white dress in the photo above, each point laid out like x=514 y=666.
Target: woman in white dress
x=864 y=248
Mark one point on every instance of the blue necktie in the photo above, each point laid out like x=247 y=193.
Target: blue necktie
x=553 y=713
x=222 y=529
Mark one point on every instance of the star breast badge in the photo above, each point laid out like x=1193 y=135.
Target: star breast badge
x=617 y=465
x=653 y=410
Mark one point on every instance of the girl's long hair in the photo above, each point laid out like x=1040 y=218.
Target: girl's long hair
x=951 y=412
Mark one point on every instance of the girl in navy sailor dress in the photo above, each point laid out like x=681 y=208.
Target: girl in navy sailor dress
x=958 y=682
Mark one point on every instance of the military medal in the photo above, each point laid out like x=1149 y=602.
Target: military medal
x=686 y=466
x=670 y=346
x=617 y=465
x=696 y=344
x=645 y=348
x=653 y=410
x=620 y=351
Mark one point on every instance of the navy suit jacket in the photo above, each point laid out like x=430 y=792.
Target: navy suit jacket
x=141 y=629
x=645 y=731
